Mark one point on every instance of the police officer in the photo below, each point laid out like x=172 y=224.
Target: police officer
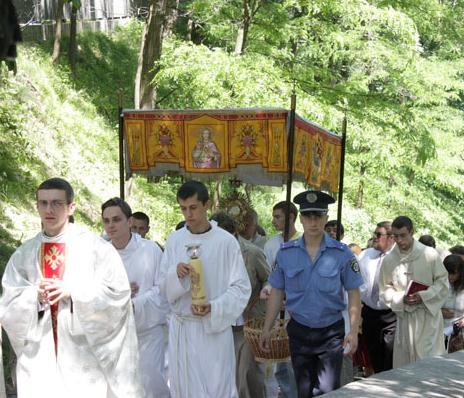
x=313 y=272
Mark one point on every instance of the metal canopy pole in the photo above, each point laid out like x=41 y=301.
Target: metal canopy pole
x=290 y=142
x=121 y=147
x=340 y=184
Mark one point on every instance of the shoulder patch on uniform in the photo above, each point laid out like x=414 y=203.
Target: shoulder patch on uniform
x=337 y=244
x=340 y=245
x=290 y=243
x=355 y=265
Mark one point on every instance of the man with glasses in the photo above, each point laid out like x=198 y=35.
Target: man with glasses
x=66 y=309
x=379 y=321
x=414 y=283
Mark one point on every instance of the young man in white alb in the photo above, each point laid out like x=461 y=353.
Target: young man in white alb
x=201 y=345
x=66 y=309
x=142 y=260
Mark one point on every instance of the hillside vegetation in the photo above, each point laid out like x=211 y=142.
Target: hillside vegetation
x=53 y=124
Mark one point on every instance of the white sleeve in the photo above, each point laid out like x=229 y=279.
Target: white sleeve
x=150 y=306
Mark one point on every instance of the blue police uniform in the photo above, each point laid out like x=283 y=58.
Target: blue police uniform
x=315 y=301
x=314 y=293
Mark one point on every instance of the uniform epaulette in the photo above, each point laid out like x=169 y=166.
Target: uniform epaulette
x=338 y=245
x=290 y=243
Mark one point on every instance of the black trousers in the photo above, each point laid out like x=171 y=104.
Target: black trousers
x=378 y=328
x=317 y=355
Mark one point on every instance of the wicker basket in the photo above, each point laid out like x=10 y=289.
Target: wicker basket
x=279 y=352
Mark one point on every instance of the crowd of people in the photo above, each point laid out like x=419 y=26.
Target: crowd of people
x=114 y=317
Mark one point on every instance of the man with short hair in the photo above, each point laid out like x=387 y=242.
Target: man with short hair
x=331 y=228
x=312 y=272
x=283 y=370
x=272 y=246
x=429 y=240
x=140 y=223
x=419 y=328
x=250 y=230
x=66 y=308
x=201 y=346
x=142 y=261
x=379 y=321
x=458 y=249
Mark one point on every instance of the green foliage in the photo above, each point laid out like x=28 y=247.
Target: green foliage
x=107 y=66
x=47 y=128
x=198 y=77
x=395 y=66
x=390 y=64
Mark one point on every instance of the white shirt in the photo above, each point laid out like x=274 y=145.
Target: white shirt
x=453 y=302
x=368 y=262
x=272 y=246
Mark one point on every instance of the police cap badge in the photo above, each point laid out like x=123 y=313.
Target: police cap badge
x=313 y=201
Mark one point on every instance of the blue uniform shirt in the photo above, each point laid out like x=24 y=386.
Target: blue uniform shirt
x=314 y=291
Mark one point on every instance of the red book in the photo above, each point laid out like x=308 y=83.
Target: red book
x=414 y=287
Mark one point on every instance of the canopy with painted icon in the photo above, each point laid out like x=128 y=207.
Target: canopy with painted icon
x=249 y=145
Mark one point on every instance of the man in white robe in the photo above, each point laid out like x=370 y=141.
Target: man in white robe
x=201 y=346
x=89 y=348
x=419 y=329
x=142 y=260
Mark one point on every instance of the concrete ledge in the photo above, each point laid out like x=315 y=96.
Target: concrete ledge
x=437 y=377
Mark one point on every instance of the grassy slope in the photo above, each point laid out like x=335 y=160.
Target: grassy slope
x=53 y=125
x=50 y=126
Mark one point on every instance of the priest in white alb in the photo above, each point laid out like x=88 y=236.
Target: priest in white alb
x=66 y=309
x=201 y=346
x=419 y=329
x=142 y=261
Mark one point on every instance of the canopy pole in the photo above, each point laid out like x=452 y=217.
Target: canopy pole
x=342 y=174
x=290 y=142
x=121 y=147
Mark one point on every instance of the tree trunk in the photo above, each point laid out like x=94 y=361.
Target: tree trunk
x=243 y=28
x=150 y=52
x=58 y=31
x=171 y=17
x=73 y=40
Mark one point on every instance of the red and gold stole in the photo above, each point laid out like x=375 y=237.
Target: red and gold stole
x=53 y=265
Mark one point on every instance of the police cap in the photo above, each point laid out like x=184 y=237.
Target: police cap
x=313 y=201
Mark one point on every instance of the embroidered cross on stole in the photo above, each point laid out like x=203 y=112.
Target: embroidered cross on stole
x=53 y=265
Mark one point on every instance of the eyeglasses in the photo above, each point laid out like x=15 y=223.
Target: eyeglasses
x=378 y=234
x=54 y=204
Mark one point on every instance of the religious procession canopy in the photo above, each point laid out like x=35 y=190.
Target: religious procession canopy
x=245 y=144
